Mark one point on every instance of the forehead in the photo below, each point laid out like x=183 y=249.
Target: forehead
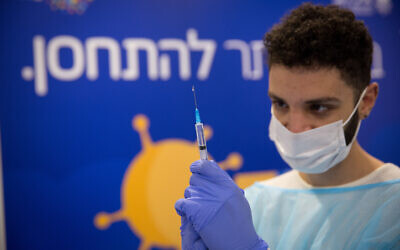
x=299 y=84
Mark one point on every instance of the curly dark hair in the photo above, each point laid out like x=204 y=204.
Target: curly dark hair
x=315 y=36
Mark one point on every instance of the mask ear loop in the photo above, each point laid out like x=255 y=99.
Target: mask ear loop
x=355 y=108
x=351 y=115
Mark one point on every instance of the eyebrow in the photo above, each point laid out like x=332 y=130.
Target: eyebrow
x=332 y=100
x=273 y=96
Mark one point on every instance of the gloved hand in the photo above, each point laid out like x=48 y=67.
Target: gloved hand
x=190 y=238
x=218 y=210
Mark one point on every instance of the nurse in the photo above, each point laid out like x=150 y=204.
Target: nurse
x=337 y=195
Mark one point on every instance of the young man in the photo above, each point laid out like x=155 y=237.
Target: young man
x=337 y=196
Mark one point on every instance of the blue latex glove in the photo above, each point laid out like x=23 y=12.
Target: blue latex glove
x=190 y=238
x=218 y=210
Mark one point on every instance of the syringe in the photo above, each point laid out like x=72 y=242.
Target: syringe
x=201 y=141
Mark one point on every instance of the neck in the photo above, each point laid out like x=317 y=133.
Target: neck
x=356 y=165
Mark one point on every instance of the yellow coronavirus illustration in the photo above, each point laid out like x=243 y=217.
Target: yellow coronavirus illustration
x=154 y=180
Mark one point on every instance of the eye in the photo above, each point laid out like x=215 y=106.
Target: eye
x=319 y=108
x=279 y=105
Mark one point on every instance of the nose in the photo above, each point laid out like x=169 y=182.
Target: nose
x=297 y=122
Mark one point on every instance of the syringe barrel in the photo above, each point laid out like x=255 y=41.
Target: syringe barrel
x=201 y=141
x=200 y=134
x=203 y=154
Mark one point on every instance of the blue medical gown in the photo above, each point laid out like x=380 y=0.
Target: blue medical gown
x=361 y=217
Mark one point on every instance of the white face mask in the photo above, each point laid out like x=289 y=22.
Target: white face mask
x=316 y=150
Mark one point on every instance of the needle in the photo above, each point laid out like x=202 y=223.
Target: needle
x=194 y=95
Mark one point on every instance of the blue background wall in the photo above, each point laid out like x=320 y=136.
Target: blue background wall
x=65 y=151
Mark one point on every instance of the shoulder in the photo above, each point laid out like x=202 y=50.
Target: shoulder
x=290 y=179
x=391 y=170
x=386 y=172
x=272 y=188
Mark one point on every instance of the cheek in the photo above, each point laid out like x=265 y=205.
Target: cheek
x=347 y=111
x=335 y=115
x=317 y=120
x=304 y=118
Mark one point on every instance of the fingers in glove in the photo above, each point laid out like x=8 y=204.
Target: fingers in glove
x=199 y=245
x=197 y=180
x=187 y=207
x=208 y=169
x=194 y=192
x=190 y=238
x=204 y=167
x=179 y=206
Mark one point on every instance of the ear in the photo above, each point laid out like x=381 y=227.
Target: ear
x=368 y=101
